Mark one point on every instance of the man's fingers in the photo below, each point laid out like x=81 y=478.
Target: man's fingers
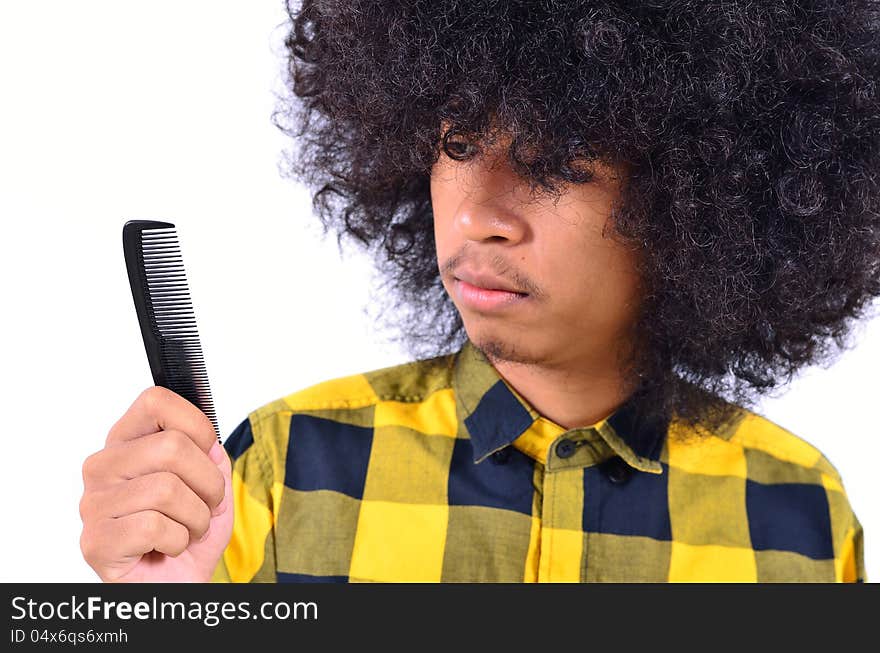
x=160 y=409
x=155 y=491
x=168 y=451
x=108 y=541
x=161 y=492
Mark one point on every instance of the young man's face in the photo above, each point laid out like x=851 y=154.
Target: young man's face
x=577 y=290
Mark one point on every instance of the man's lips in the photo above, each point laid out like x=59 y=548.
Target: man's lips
x=485 y=281
x=476 y=292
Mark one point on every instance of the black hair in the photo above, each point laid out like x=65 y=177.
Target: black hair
x=750 y=132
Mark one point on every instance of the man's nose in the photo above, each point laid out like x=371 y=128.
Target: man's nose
x=491 y=211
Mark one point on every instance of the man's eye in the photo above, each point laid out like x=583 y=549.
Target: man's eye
x=458 y=150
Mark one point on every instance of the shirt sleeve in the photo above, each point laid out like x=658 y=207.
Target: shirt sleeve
x=250 y=555
x=853 y=554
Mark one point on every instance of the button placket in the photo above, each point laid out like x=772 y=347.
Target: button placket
x=575 y=448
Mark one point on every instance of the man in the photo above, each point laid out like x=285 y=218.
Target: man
x=611 y=235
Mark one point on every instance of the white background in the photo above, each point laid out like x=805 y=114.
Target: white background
x=115 y=110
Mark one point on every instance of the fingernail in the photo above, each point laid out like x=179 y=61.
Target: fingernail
x=216 y=453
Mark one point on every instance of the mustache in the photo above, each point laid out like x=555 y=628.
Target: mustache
x=497 y=264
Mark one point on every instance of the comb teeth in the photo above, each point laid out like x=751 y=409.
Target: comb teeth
x=172 y=320
x=167 y=289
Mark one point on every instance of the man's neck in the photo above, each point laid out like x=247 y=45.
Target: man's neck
x=571 y=397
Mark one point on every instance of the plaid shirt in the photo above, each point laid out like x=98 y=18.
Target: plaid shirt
x=437 y=470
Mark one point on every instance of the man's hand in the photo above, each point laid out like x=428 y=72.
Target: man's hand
x=156 y=505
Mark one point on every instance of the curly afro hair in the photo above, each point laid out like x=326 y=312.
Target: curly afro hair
x=750 y=132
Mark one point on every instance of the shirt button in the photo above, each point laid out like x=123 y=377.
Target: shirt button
x=617 y=470
x=501 y=456
x=565 y=448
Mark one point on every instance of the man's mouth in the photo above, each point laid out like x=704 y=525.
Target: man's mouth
x=485 y=281
x=485 y=299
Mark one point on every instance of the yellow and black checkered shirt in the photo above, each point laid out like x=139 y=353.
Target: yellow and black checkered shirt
x=437 y=470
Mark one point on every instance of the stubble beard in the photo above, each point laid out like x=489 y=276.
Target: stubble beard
x=497 y=350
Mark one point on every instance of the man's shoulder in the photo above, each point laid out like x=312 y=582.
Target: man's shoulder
x=408 y=382
x=774 y=450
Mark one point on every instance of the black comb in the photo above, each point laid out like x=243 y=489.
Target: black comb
x=165 y=312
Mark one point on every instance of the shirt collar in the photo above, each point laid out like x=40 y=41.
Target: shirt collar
x=495 y=415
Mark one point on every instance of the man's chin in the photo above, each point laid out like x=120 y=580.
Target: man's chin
x=502 y=350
